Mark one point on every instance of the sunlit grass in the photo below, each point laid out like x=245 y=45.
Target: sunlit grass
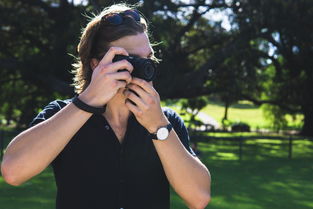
x=37 y=193
x=244 y=112
x=263 y=179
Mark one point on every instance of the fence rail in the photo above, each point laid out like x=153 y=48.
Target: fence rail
x=6 y=136
x=240 y=141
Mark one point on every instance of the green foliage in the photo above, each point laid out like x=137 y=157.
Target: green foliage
x=191 y=108
x=282 y=33
x=226 y=124
x=276 y=116
x=265 y=57
x=34 y=63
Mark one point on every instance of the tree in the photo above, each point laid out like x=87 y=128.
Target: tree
x=36 y=37
x=283 y=29
x=192 y=107
x=265 y=57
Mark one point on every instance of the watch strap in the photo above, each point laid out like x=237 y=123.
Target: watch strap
x=154 y=136
x=87 y=108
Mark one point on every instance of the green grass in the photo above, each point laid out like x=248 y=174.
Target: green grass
x=263 y=179
x=277 y=184
x=37 y=193
x=241 y=112
x=251 y=115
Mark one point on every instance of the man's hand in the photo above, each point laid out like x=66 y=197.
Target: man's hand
x=146 y=104
x=106 y=80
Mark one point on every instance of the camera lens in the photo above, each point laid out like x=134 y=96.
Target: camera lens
x=148 y=71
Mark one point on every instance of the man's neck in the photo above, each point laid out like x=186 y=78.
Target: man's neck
x=117 y=112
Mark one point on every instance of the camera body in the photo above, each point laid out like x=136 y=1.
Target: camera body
x=143 y=68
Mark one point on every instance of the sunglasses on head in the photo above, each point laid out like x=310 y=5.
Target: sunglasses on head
x=118 y=18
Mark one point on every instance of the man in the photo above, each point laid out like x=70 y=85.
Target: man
x=112 y=146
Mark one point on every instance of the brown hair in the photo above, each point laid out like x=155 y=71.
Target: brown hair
x=95 y=40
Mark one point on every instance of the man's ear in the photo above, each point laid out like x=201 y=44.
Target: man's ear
x=94 y=63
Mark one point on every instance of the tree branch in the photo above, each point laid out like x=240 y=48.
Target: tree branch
x=276 y=63
x=272 y=102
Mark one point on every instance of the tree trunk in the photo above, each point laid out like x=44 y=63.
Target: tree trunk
x=307 y=129
x=225 y=118
x=226 y=111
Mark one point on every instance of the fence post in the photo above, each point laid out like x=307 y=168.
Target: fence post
x=290 y=148
x=240 y=148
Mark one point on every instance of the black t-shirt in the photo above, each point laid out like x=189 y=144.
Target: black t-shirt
x=96 y=171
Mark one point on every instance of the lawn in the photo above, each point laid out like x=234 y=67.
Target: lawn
x=243 y=111
x=263 y=179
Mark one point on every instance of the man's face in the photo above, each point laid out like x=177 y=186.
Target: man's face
x=137 y=45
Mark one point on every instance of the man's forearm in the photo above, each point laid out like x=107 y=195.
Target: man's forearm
x=187 y=175
x=33 y=150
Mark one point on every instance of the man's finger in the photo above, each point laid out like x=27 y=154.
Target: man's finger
x=120 y=65
x=125 y=76
x=137 y=100
x=138 y=90
x=121 y=84
x=144 y=85
x=133 y=108
x=108 y=57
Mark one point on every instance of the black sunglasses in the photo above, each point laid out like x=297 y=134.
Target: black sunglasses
x=118 y=18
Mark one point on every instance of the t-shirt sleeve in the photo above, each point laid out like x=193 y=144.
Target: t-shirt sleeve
x=48 y=111
x=180 y=128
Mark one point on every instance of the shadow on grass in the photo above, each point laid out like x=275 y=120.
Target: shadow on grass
x=37 y=193
x=266 y=184
x=264 y=179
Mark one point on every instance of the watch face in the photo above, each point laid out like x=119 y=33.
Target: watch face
x=162 y=133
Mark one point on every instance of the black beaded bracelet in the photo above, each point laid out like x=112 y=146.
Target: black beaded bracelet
x=83 y=106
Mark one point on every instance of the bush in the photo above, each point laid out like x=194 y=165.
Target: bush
x=240 y=127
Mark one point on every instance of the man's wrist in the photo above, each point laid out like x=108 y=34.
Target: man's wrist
x=162 y=133
x=86 y=107
x=153 y=129
x=88 y=99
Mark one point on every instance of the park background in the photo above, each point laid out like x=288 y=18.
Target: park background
x=239 y=72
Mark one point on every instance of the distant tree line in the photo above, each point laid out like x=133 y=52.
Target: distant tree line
x=266 y=56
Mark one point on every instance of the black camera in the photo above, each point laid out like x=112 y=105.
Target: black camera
x=143 y=68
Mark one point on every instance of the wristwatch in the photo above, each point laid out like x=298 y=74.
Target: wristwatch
x=162 y=133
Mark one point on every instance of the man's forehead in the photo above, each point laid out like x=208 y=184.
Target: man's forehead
x=136 y=45
x=140 y=53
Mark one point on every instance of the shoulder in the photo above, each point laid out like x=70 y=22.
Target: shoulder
x=170 y=113
x=58 y=104
x=173 y=117
x=55 y=106
x=49 y=110
x=179 y=127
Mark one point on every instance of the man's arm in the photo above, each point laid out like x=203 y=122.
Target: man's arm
x=187 y=175
x=34 y=149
